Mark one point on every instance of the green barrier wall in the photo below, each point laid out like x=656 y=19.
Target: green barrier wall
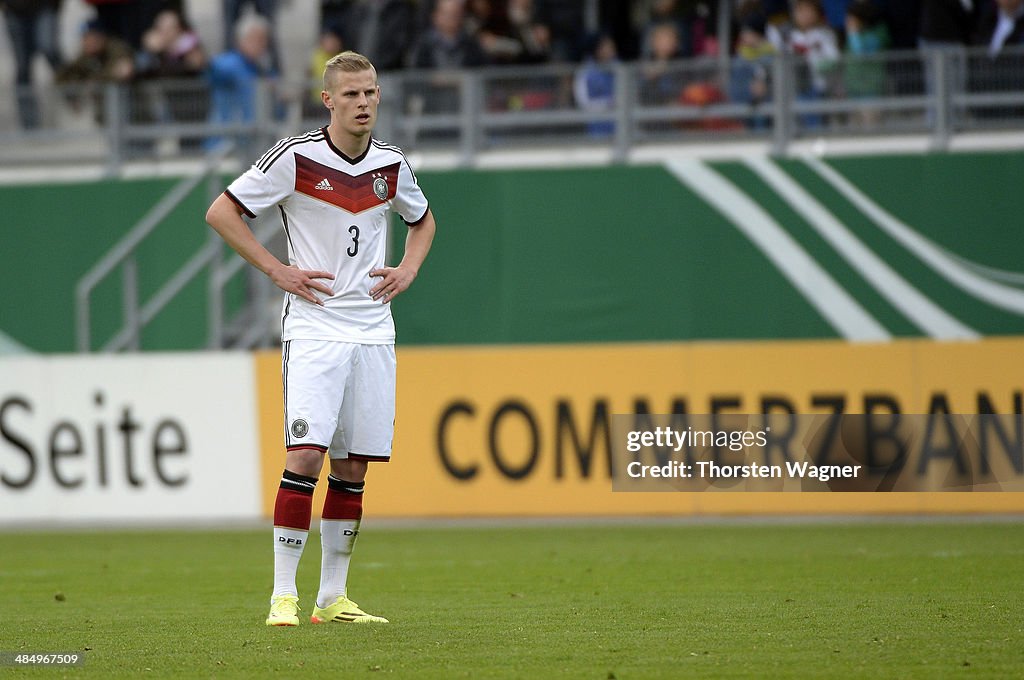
x=570 y=255
x=53 y=234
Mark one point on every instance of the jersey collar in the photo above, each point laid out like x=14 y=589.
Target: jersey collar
x=344 y=156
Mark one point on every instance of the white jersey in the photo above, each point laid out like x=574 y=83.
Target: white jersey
x=335 y=214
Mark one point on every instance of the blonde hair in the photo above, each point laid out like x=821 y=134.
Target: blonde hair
x=346 y=62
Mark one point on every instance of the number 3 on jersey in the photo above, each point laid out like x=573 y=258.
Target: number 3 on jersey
x=354 y=248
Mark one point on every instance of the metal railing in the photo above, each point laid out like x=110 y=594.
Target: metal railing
x=938 y=93
x=249 y=326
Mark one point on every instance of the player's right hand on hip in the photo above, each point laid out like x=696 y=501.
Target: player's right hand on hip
x=302 y=282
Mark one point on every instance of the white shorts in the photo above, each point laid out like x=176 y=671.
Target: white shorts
x=339 y=397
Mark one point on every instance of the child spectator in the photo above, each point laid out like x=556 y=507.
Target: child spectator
x=594 y=83
x=750 y=78
x=666 y=12
x=866 y=34
x=811 y=39
x=661 y=83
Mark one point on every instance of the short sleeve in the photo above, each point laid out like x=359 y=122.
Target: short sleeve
x=258 y=189
x=409 y=202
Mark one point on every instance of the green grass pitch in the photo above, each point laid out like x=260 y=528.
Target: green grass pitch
x=890 y=599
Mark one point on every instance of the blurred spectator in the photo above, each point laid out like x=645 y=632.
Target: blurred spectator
x=662 y=84
x=1002 y=25
x=564 y=21
x=835 y=13
x=479 y=15
x=694 y=23
x=508 y=31
x=534 y=36
x=32 y=28
x=446 y=44
x=665 y=42
x=170 y=49
x=701 y=89
x=701 y=94
x=902 y=18
x=750 y=77
x=102 y=58
x=235 y=75
x=233 y=12
x=329 y=44
x=811 y=38
x=488 y=22
x=947 y=23
x=382 y=30
x=594 y=83
x=617 y=20
x=700 y=23
x=775 y=11
x=129 y=19
x=866 y=34
x=666 y=12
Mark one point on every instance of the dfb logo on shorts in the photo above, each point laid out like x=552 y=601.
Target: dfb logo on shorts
x=380 y=188
x=290 y=541
x=300 y=428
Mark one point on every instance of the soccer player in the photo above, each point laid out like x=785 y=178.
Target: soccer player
x=334 y=187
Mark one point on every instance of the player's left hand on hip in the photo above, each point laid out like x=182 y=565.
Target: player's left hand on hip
x=393 y=280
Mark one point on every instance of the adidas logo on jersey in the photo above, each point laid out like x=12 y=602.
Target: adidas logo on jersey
x=324 y=185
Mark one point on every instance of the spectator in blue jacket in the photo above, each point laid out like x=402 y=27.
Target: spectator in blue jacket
x=594 y=82
x=235 y=75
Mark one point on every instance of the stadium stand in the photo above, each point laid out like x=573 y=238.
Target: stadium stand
x=523 y=94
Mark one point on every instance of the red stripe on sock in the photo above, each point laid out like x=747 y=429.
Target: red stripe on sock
x=341 y=505
x=293 y=509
